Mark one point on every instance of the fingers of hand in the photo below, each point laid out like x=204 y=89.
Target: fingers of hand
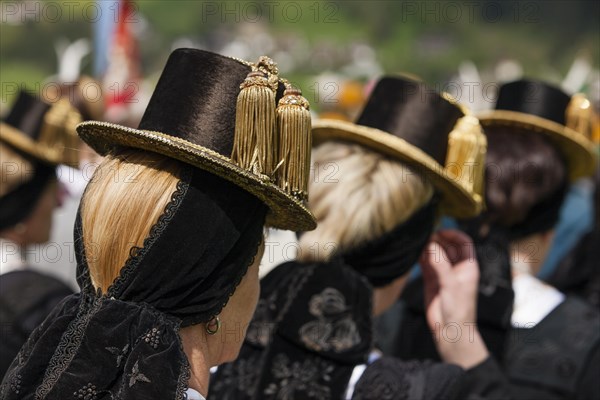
x=457 y=245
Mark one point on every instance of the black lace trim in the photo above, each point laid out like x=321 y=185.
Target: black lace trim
x=84 y=279
x=136 y=254
x=68 y=345
x=185 y=371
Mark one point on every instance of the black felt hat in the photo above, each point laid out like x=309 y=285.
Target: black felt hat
x=407 y=121
x=43 y=131
x=541 y=108
x=191 y=117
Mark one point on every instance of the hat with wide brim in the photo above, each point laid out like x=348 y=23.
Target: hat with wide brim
x=45 y=132
x=406 y=121
x=540 y=108
x=191 y=117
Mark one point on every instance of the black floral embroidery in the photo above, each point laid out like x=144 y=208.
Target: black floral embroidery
x=88 y=392
x=270 y=310
x=299 y=379
x=120 y=353
x=239 y=377
x=137 y=376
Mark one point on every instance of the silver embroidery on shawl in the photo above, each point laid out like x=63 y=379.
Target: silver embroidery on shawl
x=334 y=329
x=299 y=379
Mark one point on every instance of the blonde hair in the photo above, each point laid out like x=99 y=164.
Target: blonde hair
x=16 y=169
x=124 y=199
x=357 y=195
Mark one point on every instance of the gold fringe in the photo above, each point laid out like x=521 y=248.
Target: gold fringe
x=465 y=162
x=295 y=140
x=578 y=115
x=58 y=133
x=253 y=145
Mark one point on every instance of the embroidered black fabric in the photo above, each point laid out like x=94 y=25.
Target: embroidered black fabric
x=125 y=344
x=16 y=205
x=311 y=328
x=395 y=253
x=392 y=379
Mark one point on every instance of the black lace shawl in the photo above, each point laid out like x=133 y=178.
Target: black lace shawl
x=125 y=344
x=311 y=328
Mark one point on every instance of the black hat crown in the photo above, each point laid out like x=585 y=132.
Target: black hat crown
x=540 y=108
x=27 y=114
x=427 y=130
x=410 y=110
x=43 y=131
x=535 y=98
x=233 y=118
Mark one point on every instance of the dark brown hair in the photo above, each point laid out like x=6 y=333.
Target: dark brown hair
x=524 y=172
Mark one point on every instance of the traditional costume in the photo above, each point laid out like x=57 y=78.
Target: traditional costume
x=44 y=135
x=550 y=348
x=219 y=117
x=311 y=336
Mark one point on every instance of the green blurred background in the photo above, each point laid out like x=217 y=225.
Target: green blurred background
x=311 y=39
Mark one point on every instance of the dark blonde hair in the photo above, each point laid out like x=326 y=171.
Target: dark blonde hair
x=122 y=202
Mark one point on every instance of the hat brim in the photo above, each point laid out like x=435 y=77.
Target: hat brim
x=285 y=211
x=20 y=141
x=579 y=152
x=456 y=200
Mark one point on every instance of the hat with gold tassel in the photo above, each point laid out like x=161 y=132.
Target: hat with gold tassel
x=236 y=119
x=43 y=131
x=544 y=109
x=428 y=131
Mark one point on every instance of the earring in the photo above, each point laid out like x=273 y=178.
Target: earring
x=20 y=228
x=215 y=321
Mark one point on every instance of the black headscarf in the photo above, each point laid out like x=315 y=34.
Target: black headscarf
x=17 y=205
x=392 y=255
x=125 y=344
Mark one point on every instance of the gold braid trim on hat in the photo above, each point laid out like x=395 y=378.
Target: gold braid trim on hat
x=273 y=141
x=578 y=115
x=465 y=160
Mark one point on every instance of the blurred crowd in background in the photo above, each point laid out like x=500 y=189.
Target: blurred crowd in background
x=106 y=58
x=112 y=52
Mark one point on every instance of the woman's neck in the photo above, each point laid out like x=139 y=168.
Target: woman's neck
x=198 y=354
x=528 y=254
x=519 y=264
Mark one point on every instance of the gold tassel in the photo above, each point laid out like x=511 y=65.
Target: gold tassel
x=253 y=145
x=578 y=115
x=465 y=162
x=58 y=133
x=294 y=124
